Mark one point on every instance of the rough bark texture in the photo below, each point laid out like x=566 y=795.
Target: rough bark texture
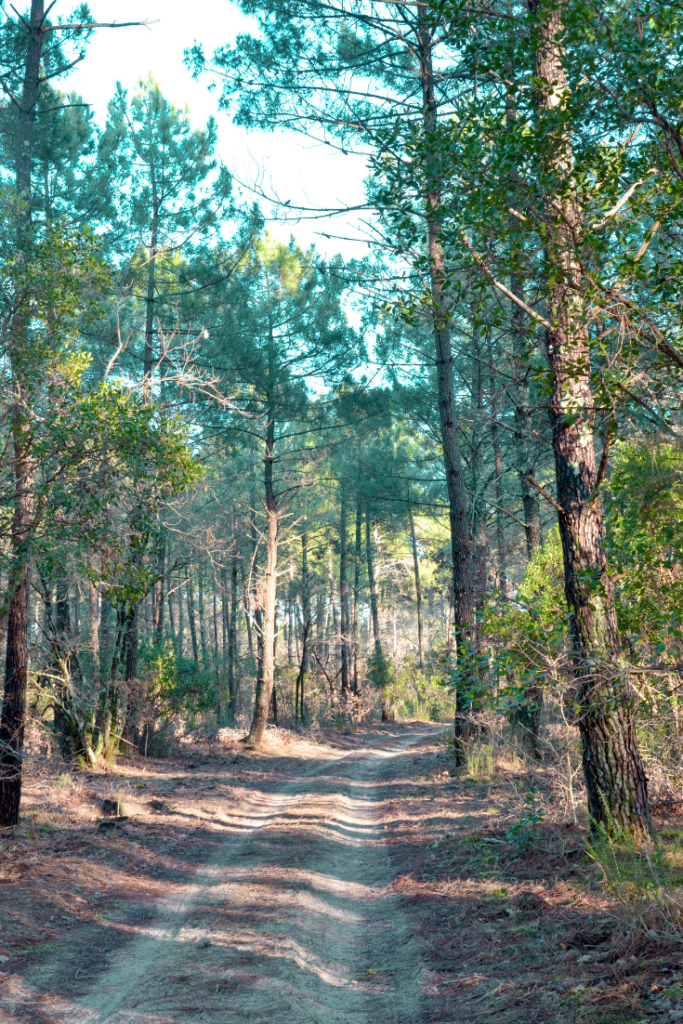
x=615 y=780
x=13 y=716
x=461 y=540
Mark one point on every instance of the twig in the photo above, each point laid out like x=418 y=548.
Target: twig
x=544 y=494
x=506 y=291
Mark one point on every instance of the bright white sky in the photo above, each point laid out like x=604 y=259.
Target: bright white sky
x=286 y=163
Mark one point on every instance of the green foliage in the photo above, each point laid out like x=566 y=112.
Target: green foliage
x=523 y=833
x=417 y=693
x=175 y=686
x=645 y=512
x=380 y=671
x=529 y=634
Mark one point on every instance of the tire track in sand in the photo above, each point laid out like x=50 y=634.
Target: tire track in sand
x=291 y=922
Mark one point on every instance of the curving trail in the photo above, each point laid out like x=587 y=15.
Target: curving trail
x=292 y=921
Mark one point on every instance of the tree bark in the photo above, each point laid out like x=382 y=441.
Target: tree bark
x=461 y=540
x=191 y=618
x=344 y=602
x=247 y=611
x=148 y=359
x=159 y=591
x=522 y=402
x=358 y=555
x=63 y=640
x=372 y=582
x=232 y=632
x=266 y=676
x=615 y=780
x=181 y=622
x=299 y=705
x=220 y=710
x=498 y=476
x=378 y=654
x=94 y=619
x=202 y=618
x=13 y=716
x=418 y=587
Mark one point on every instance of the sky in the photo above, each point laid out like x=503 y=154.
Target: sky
x=286 y=164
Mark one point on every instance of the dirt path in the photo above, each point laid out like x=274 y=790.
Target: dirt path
x=335 y=879
x=292 y=919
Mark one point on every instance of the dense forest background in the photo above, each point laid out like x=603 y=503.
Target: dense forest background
x=244 y=482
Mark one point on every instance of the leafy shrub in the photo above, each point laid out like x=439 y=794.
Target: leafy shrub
x=173 y=685
x=523 y=833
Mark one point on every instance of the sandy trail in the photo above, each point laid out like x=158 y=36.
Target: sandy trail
x=293 y=920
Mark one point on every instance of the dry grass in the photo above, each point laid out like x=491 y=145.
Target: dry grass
x=530 y=934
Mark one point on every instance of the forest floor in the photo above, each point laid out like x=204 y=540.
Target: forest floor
x=336 y=878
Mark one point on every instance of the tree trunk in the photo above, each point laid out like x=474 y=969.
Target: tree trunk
x=171 y=597
x=159 y=591
x=377 y=660
x=418 y=587
x=343 y=602
x=358 y=556
x=266 y=677
x=220 y=710
x=480 y=534
x=615 y=780
x=299 y=711
x=320 y=617
x=247 y=612
x=374 y=599
x=522 y=402
x=232 y=634
x=181 y=622
x=288 y=625
x=94 y=617
x=202 y=618
x=332 y=636
x=461 y=541
x=225 y=624
x=132 y=637
x=13 y=717
x=191 y=618
x=148 y=360
x=63 y=640
x=494 y=403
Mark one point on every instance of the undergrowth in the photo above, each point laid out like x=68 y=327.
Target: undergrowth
x=645 y=884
